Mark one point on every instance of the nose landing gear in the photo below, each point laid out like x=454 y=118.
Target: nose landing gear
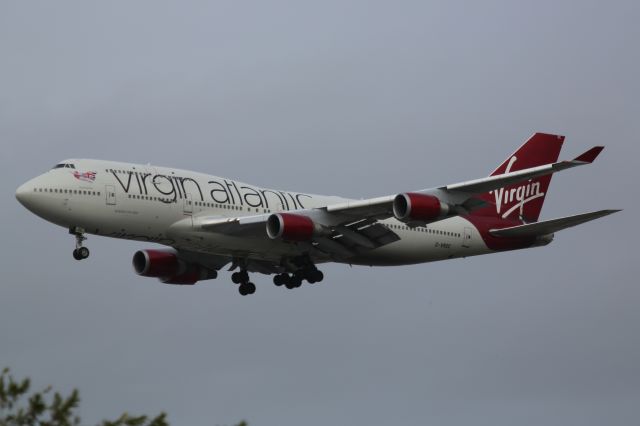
x=80 y=252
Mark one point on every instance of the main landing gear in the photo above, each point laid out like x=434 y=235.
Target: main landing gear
x=246 y=287
x=291 y=281
x=80 y=252
x=304 y=270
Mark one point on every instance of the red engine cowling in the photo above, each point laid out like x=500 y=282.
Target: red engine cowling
x=157 y=263
x=290 y=227
x=410 y=207
x=165 y=265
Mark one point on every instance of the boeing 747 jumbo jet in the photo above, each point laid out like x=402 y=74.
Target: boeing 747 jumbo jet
x=207 y=222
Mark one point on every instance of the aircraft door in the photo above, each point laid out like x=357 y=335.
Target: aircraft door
x=110 y=194
x=188 y=205
x=466 y=238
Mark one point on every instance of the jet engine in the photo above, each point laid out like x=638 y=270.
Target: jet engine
x=292 y=227
x=165 y=265
x=412 y=207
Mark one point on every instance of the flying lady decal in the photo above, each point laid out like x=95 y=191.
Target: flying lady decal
x=84 y=176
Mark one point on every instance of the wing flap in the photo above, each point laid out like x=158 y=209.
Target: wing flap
x=550 y=226
x=375 y=234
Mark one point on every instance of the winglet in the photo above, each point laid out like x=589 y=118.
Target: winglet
x=589 y=156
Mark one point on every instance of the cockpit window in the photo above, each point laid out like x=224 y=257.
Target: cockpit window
x=64 y=166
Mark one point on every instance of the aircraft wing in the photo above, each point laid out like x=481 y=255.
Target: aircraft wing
x=352 y=227
x=344 y=238
x=549 y=226
x=462 y=194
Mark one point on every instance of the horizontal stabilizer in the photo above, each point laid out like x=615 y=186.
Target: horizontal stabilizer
x=589 y=156
x=549 y=226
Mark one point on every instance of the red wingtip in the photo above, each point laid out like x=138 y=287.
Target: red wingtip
x=590 y=155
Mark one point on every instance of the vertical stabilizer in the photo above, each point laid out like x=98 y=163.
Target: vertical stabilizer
x=523 y=200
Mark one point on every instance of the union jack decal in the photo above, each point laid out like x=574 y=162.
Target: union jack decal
x=85 y=176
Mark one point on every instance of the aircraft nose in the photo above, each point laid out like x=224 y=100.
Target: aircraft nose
x=23 y=193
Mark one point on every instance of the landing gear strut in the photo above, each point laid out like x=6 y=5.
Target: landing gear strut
x=246 y=287
x=80 y=252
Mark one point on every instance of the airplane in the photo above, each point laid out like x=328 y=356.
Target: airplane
x=207 y=222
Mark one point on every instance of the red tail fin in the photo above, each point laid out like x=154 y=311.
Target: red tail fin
x=523 y=200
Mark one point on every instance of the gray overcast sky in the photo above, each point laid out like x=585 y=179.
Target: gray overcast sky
x=338 y=97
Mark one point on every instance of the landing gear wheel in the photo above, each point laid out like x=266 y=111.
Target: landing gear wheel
x=310 y=276
x=83 y=252
x=79 y=252
x=278 y=279
x=294 y=281
x=316 y=276
x=247 y=288
x=240 y=277
x=281 y=279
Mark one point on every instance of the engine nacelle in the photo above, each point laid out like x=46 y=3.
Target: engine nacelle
x=165 y=265
x=157 y=263
x=292 y=227
x=410 y=207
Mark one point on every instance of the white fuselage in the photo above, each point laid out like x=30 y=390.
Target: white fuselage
x=143 y=202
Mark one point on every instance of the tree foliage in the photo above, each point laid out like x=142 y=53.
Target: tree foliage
x=44 y=408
